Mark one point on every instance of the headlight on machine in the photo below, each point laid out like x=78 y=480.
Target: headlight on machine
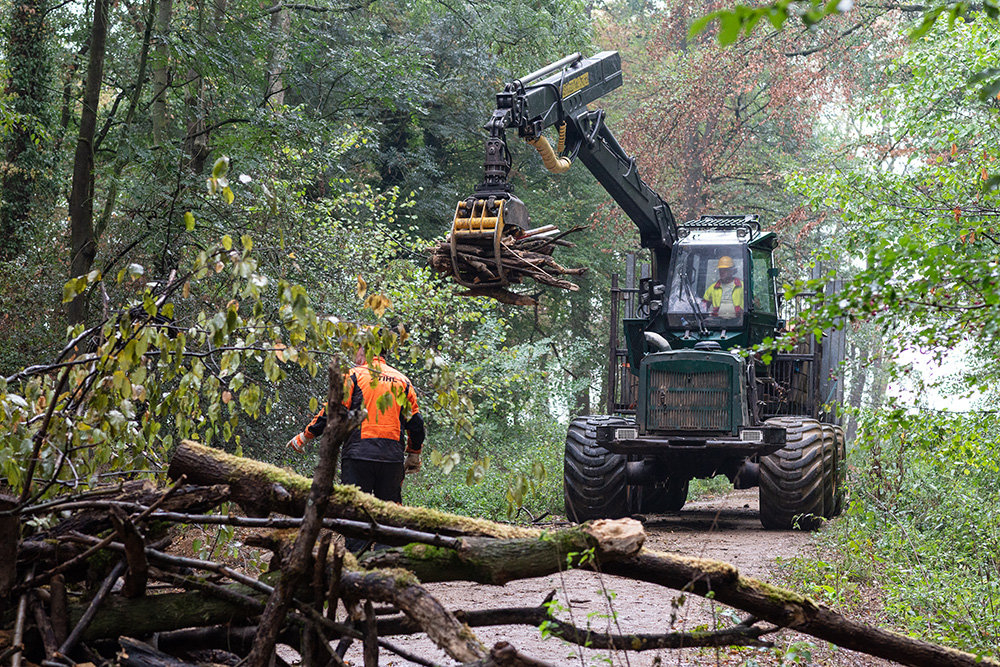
x=751 y=435
x=626 y=433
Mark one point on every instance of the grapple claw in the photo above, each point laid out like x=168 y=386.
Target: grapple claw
x=483 y=223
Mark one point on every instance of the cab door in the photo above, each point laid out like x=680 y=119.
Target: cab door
x=762 y=306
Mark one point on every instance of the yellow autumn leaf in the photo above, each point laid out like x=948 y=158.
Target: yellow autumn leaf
x=362 y=287
x=378 y=303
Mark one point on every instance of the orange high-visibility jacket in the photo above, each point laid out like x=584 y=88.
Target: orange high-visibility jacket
x=382 y=436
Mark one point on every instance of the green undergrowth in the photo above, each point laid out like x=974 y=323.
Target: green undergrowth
x=520 y=484
x=918 y=547
x=706 y=488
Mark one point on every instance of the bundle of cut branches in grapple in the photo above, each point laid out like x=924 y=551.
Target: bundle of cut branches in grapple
x=488 y=268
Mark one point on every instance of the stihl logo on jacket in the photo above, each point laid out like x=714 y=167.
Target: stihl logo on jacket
x=388 y=397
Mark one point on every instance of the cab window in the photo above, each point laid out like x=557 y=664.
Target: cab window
x=762 y=283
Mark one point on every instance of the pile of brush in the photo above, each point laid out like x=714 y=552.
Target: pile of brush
x=525 y=256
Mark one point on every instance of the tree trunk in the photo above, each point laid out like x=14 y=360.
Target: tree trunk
x=281 y=26
x=786 y=609
x=24 y=149
x=121 y=159
x=161 y=71
x=196 y=139
x=260 y=488
x=491 y=561
x=83 y=242
x=10 y=532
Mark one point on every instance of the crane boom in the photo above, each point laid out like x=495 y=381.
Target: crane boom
x=533 y=103
x=558 y=95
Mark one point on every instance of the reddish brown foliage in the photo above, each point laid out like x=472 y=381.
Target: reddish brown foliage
x=715 y=128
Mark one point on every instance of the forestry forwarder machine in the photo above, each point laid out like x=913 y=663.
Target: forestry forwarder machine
x=687 y=404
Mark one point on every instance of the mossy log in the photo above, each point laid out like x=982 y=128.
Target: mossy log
x=786 y=609
x=163 y=612
x=175 y=611
x=268 y=488
x=492 y=561
x=260 y=488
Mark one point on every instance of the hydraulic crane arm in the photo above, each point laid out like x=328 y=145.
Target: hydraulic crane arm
x=558 y=95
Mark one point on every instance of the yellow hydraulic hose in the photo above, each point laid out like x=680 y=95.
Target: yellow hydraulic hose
x=552 y=162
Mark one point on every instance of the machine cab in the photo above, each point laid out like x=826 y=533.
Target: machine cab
x=708 y=285
x=720 y=284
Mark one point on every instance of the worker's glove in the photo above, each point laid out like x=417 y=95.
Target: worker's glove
x=298 y=443
x=412 y=463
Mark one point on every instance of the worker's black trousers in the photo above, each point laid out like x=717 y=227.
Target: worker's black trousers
x=382 y=479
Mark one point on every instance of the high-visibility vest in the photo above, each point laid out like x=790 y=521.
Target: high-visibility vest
x=713 y=294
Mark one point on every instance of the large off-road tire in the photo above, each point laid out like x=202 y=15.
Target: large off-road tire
x=668 y=496
x=593 y=478
x=793 y=480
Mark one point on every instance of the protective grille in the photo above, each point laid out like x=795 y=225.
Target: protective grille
x=689 y=400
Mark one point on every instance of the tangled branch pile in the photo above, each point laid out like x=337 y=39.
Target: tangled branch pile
x=528 y=256
x=99 y=586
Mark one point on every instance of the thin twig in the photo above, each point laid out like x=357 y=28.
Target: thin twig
x=18 y=641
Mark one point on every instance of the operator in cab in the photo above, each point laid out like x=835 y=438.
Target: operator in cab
x=724 y=297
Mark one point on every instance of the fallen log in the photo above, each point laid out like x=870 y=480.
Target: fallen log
x=787 y=609
x=720 y=581
x=260 y=489
x=723 y=582
x=201 y=619
x=492 y=561
x=743 y=634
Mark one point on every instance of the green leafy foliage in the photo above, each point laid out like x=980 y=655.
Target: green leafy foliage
x=917 y=533
x=914 y=220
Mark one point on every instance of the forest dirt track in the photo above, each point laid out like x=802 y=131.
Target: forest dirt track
x=724 y=528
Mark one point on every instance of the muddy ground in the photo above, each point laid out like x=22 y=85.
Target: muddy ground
x=725 y=528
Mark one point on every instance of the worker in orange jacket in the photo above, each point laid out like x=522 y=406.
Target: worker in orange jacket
x=377 y=454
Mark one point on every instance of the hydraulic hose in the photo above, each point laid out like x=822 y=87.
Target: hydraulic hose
x=550 y=159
